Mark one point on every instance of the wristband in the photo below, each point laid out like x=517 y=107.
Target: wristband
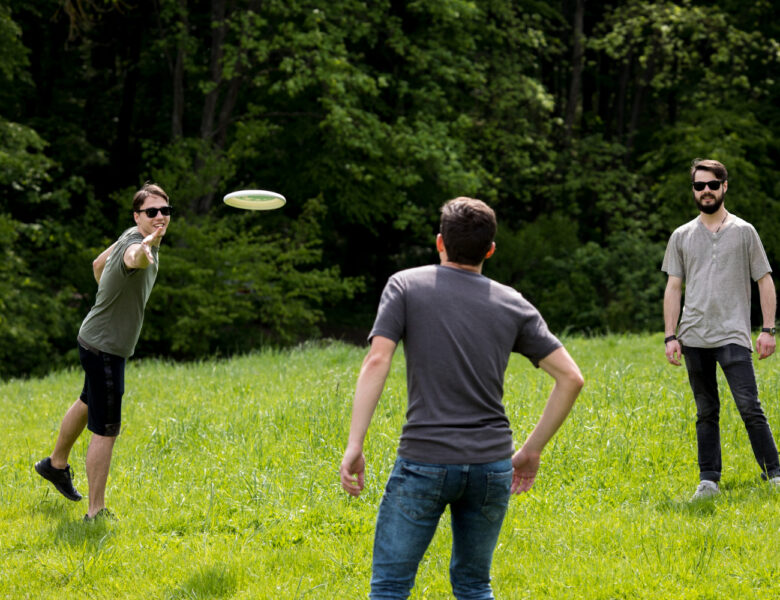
x=670 y=338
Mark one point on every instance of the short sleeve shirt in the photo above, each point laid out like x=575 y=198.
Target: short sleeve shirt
x=114 y=323
x=458 y=330
x=717 y=269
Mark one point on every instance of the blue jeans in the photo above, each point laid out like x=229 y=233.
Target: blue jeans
x=737 y=366
x=415 y=497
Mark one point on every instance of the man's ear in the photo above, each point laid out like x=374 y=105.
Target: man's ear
x=491 y=251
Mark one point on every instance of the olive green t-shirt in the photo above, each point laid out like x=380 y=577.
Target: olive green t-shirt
x=717 y=269
x=114 y=323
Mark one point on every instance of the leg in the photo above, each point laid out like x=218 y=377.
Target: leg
x=737 y=365
x=407 y=519
x=476 y=523
x=701 y=364
x=72 y=425
x=98 y=463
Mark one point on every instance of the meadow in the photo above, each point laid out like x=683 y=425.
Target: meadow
x=225 y=484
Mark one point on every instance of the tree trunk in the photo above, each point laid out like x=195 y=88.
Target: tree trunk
x=575 y=87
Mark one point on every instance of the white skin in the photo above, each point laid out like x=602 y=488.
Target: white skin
x=765 y=343
x=373 y=374
x=137 y=256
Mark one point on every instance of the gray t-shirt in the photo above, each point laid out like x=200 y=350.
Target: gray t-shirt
x=114 y=323
x=459 y=329
x=717 y=269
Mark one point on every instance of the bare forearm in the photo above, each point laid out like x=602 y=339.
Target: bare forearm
x=672 y=297
x=136 y=258
x=368 y=390
x=768 y=295
x=559 y=404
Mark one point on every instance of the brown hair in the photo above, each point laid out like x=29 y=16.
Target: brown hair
x=468 y=227
x=713 y=166
x=148 y=189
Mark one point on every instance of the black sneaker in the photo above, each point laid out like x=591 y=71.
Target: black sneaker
x=103 y=513
x=61 y=478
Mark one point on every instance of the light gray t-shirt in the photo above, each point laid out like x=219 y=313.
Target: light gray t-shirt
x=459 y=329
x=717 y=269
x=114 y=323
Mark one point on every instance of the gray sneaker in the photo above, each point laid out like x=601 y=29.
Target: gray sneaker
x=61 y=478
x=706 y=489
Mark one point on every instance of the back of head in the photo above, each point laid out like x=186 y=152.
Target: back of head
x=468 y=227
x=148 y=189
x=718 y=169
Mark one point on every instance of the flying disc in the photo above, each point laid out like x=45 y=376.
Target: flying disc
x=254 y=200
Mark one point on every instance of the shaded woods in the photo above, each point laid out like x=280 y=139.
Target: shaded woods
x=575 y=119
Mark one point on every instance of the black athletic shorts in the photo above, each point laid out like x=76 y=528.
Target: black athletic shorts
x=104 y=385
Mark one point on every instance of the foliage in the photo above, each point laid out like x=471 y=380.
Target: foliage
x=33 y=316
x=577 y=125
x=228 y=286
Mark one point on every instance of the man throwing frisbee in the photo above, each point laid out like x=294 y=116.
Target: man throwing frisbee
x=459 y=329
x=125 y=272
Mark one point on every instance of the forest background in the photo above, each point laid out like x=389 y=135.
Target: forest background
x=577 y=120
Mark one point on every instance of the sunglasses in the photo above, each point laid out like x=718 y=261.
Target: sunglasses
x=152 y=212
x=713 y=185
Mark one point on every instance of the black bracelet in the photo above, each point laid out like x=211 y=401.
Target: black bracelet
x=670 y=338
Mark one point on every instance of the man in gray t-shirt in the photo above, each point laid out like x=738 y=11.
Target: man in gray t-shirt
x=458 y=329
x=716 y=256
x=125 y=272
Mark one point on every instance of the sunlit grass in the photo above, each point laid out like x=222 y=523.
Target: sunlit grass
x=225 y=483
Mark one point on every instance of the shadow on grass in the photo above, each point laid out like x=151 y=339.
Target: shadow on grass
x=70 y=528
x=207 y=582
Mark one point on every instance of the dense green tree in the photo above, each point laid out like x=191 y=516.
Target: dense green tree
x=577 y=120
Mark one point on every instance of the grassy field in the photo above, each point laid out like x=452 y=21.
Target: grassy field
x=225 y=482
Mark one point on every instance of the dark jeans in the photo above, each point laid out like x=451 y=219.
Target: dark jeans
x=737 y=366
x=415 y=497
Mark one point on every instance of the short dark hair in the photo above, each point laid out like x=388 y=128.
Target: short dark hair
x=707 y=164
x=148 y=189
x=468 y=227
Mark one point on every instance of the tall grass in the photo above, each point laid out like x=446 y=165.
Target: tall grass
x=225 y=484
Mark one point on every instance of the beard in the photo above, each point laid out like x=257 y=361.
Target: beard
x=710 y=208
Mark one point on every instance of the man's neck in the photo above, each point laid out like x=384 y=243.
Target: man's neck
x=715 y=220
x=462 y=267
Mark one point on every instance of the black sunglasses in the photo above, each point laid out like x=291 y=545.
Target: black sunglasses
x=152 y=212
x=713 y=185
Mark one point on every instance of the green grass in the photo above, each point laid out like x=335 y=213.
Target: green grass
x=225 y=481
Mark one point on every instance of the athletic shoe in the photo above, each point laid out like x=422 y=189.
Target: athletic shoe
x=61 y=478
x=103 y=513
x=706 y=489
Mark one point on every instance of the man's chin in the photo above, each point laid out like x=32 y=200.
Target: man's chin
x=709 y=209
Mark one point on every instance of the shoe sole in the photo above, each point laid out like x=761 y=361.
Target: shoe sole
x=39 y=469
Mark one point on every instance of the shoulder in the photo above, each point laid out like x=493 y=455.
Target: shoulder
x=686 y=228
x=130 y=236
x=414 y=274
x=740 y=224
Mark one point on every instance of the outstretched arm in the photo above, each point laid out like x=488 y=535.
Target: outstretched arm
x=765 y=344
x=368 y=390
x=139 y=256
x=568 y=383
x=672 y=297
